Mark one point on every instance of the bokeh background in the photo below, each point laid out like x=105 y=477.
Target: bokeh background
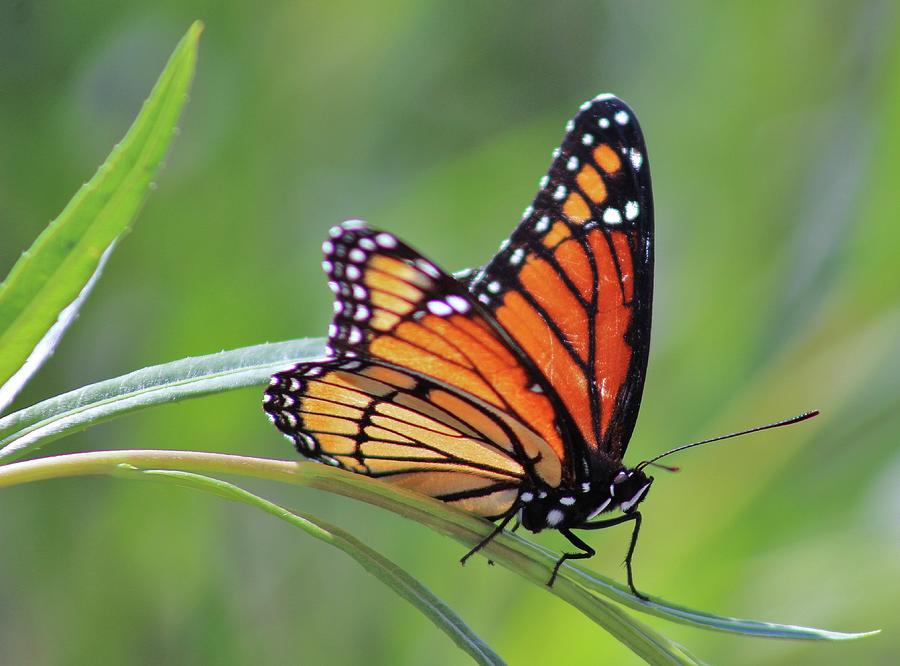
x=773 y=134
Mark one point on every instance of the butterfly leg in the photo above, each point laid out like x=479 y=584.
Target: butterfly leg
x=587 y=552
x=481 y=544
x=636 y=517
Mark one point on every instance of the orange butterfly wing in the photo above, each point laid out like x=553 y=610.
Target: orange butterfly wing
x=573 y=286
x=387 y=422
x=402 y=316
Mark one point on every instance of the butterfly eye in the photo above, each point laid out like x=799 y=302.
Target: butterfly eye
x=621 y=476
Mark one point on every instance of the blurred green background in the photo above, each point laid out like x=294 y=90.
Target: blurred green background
x=773 y=132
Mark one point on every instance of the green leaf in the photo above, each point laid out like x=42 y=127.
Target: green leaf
x=382 y=568
x=50 y=276
x=44 y=348
x=24 y=431
x=527 y=559
x=682 y=615
x=466 y=528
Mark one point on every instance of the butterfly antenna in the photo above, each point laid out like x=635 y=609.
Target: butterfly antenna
x=777 y=424
x=668 y=468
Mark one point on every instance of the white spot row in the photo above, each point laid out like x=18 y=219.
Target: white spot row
x=454 y=303
x=428 y=268
x=632 y=210
x=636 y=158
x=458 y=303
x=385 y=240
x=612 y=216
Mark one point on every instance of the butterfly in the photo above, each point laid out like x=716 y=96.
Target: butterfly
x=511 y=391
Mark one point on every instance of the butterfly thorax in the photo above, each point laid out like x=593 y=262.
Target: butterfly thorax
x=560 y=508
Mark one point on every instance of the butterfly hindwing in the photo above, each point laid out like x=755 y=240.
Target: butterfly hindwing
x=573 y=286
x=383 y=421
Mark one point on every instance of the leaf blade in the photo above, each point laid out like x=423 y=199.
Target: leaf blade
x=51 y=274
x=398 y=580
x=26 y=430
x=527 y=559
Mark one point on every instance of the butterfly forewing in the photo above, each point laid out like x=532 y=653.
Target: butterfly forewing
x=393 y=305
x=573 y=286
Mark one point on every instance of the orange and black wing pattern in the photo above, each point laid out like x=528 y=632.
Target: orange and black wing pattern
x=390 y=423
x=400 y=315
x=573 y=285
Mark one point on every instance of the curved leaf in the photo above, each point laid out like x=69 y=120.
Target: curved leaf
x=529 y=560
x=47 y=345
x=50 y=276
x=28 y=429
x=466 y=528
x=382 y=568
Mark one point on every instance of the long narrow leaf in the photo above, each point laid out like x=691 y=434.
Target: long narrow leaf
x=525 y=558
x=25 y=431
x=54 y=271
x=382 y=568
x=47 y=345
x=643 y=640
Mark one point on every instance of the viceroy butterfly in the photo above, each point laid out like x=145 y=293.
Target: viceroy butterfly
x=512 y=391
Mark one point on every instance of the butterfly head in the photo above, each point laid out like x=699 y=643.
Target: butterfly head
x=628 y=488
x=558 y=508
